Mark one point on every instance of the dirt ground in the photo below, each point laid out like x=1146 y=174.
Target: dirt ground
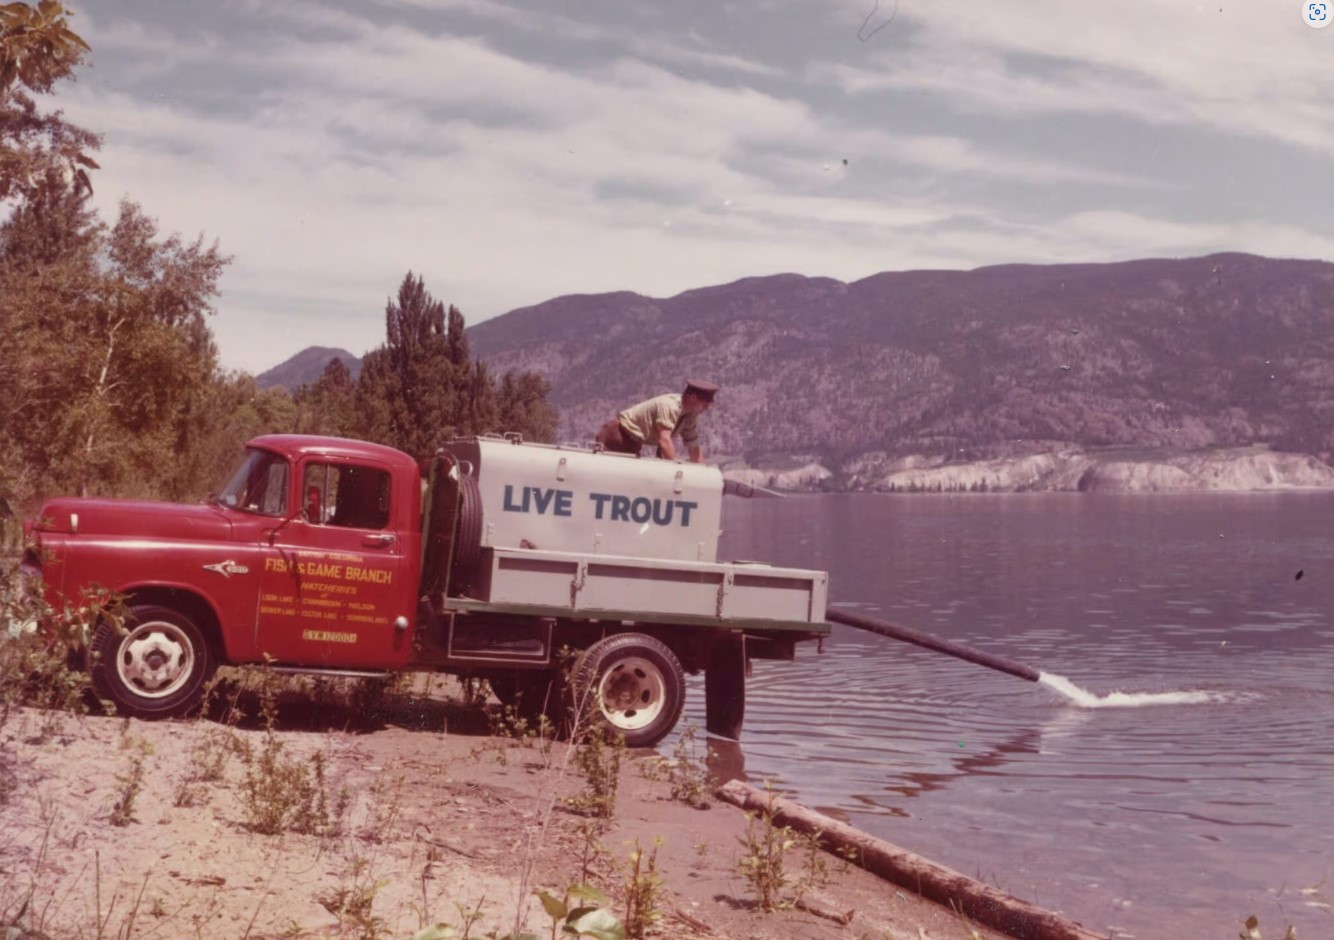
x=413 y=814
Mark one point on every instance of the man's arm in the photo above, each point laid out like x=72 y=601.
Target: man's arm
x=697 y=454
x=665 y=446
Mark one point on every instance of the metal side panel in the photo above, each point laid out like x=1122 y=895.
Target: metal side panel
x=655 y=588
x=527 y=578
x=649 y=586
x=761 y=594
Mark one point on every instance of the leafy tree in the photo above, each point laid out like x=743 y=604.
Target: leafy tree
x=108 y=370
x=106 y=338
x=228 y=411
x=38 y=49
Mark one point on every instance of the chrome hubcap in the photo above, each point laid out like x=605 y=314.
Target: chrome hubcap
x=155 y=659
x=632 y=693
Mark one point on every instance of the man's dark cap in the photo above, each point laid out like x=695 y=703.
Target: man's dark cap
x=705 y=390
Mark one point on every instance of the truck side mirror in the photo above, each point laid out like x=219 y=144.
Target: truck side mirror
x=287 y=520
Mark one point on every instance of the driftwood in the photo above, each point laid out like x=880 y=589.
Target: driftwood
x=439 y=844
x=978 y=901
x=698 y=929
x=842 y=918
x=690 y=921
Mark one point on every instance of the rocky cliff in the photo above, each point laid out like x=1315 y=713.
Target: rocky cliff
x=1014 y=377
x=1244 y=469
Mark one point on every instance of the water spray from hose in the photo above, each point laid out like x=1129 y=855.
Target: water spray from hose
x=1074 y=693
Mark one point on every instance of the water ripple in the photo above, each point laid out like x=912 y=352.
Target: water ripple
x=1174 y=819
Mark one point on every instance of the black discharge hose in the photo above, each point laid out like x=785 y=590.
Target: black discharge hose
x=925 y=640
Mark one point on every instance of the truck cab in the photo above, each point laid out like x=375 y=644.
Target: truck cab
x=577 y=582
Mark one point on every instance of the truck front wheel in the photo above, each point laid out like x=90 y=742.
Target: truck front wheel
x=154 y=666
x=634 y=684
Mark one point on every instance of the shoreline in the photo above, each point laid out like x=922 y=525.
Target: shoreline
x=1061 y=469
x=442 y=818
x=934 y=882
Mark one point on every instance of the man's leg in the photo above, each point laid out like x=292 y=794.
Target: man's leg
x=614 y=439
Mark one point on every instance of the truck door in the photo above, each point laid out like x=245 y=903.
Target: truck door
x=340 y=575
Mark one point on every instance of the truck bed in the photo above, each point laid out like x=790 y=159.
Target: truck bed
x=739 y=595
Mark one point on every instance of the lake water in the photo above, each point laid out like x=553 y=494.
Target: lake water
x=1168 y=820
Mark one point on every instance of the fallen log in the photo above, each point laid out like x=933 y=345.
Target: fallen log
x=694 y=923
x=842 y=918
x=973 y=899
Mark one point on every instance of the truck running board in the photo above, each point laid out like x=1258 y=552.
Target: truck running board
x=339 y=673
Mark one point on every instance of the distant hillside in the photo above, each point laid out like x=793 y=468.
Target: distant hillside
x=1223 y=351
x=306 y=367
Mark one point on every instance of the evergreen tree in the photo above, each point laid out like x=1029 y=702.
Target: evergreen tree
x=411 y=394
x=329 y=406
x=422 y=387
x=457 y=340
x=523 y=406
x=483 y=409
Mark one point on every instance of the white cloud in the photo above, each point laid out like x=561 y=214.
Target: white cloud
x=1250 y=68
x=675 y=53
x=958 y=155
x=505 y=181
x=1104 y=231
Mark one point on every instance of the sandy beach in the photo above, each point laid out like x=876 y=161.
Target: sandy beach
x=349 y=819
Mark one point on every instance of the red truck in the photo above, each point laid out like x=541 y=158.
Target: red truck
x=491 y=559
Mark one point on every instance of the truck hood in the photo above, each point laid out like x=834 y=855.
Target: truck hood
x=134 y=517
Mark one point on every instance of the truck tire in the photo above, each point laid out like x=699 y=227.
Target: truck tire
x=155 y=667
x=467 y=549
x=468 y=533
x=633 y=684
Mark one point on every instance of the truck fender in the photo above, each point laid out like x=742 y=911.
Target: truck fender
x=189 y=601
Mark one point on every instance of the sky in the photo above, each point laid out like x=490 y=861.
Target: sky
x=513 y=152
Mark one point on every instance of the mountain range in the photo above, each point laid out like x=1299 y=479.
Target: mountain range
x=1168 y=356
x=306 y=367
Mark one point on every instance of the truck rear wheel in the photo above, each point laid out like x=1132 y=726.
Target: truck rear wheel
x=155 y=667
x=632 y=683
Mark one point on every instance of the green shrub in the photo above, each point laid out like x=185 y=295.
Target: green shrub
x=285 y=794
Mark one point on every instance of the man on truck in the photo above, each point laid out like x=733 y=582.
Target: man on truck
x=658 y=420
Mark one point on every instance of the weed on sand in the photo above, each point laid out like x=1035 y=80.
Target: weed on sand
x=303 y=808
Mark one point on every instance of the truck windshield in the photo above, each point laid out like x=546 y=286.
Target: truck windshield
x=258 y=485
